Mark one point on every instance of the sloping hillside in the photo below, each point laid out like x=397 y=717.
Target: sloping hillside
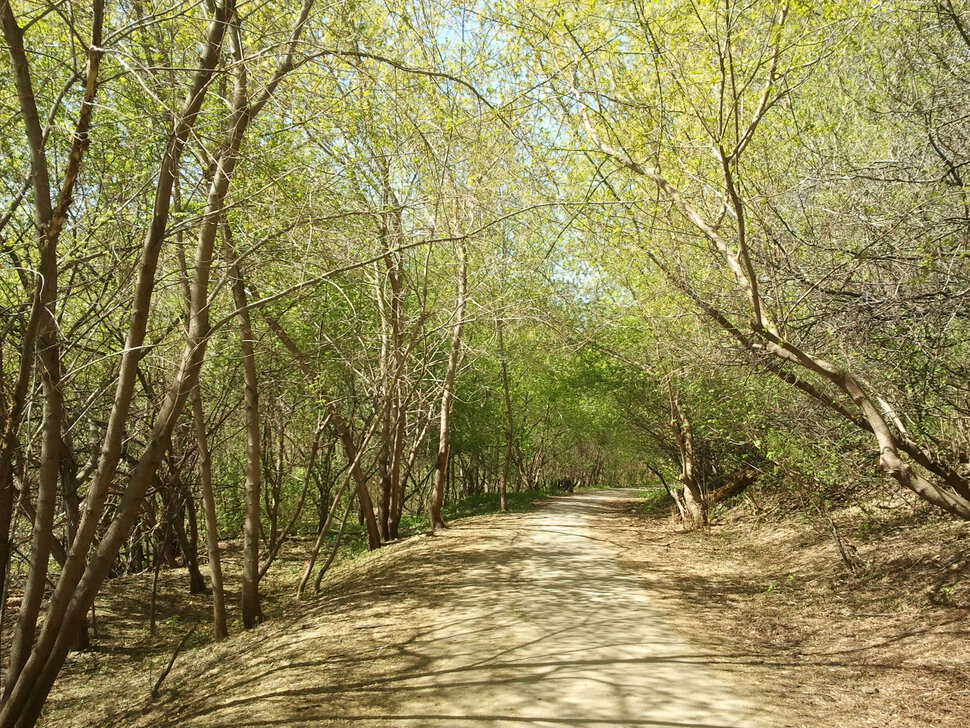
x=585 y=612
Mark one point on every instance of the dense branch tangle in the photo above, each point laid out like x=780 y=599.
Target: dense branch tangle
x=941 y=484
x=398 y=263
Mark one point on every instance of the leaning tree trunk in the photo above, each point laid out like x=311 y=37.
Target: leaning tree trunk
x=735 y=485
x=942 y=485
x=692 y=498
x=80 y=580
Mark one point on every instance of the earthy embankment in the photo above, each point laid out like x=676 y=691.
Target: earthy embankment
x=582 y=613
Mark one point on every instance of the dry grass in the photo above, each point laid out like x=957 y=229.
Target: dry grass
x=883 y=645
x=128 y=656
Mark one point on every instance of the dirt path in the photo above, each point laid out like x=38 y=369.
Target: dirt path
x=509 y=621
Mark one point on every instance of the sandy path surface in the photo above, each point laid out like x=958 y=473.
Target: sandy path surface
x=518 y=620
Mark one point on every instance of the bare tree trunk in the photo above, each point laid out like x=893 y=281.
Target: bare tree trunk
x=72 y=508
x=324 y=527
x=448 y=394
x=675 y=495
x=333 y=551
x=393 y=360
x=273 y=481
x=509 y=419
x=735 y=485
x=398 y=433
x=385 y=402
x=252 y=615
x=43 y=528
x=407 y=469
x=398 y=481
x=192 y=539
x=174 y=497
x=244 y=109
x=219 y=622
x=219 y=619
x=321 y=533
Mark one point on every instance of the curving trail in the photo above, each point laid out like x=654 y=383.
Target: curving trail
x=501 y=622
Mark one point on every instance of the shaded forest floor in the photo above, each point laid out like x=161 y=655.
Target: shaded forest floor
x=128 y=651
x=880 y=643
x=770 y=607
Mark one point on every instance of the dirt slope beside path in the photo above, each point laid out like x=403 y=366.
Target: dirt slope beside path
x=517 y=620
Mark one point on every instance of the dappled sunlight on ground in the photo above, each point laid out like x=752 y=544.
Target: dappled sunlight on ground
x=521 y=620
